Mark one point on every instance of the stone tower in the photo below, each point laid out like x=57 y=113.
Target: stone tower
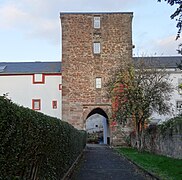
x=92 y=45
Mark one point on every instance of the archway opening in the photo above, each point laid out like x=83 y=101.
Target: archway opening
x=97 y=127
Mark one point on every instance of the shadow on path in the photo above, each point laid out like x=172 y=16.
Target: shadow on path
x=100 y=162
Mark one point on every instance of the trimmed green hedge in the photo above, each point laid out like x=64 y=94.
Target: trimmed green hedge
x=35 y=145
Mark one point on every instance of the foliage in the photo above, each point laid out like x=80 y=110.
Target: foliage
x=33 y=143
x=95 y=137
x=177 y=14
x=137 y=91
x=173 y=125
x=163 y=167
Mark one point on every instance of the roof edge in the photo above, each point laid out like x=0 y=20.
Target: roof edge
x=95 y=12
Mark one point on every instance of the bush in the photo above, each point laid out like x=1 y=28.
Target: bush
x=35 y=145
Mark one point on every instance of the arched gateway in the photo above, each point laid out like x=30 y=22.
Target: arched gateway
x=93 y=45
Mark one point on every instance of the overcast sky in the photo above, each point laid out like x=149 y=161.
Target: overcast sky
x=30 y=29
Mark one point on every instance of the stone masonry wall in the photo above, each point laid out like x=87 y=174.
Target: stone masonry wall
x=168 y=143
x=80 y=66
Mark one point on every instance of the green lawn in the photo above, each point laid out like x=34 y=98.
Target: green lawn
x=164 y=167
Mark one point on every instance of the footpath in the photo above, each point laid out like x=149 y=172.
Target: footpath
x=100 y=162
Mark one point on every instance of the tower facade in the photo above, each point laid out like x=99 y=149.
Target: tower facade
x=93 y=44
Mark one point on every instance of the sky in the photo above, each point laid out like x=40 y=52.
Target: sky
x=30 y=29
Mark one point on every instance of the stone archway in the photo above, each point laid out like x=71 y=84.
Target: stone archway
x=96 y=122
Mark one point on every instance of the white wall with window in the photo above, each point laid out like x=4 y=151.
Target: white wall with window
x=39 y=92
x=175 y=77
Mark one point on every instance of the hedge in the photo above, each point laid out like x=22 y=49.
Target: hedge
x=35 y=146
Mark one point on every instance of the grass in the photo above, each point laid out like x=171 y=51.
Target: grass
x=164 y=167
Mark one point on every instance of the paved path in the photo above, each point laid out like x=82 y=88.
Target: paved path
x=100 y=162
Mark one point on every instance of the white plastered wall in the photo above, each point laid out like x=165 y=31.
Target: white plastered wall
x=21 y=90
x=174 y=76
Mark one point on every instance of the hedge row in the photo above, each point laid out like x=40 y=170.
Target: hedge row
x=35 y=146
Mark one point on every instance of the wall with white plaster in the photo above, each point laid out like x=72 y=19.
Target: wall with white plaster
x=174 y=76
x=21 y=90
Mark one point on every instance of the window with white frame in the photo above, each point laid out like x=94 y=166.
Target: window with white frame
x=179 y=107
x=96 y=47
x=180 y=86
x=98 y=83
x=97 y=22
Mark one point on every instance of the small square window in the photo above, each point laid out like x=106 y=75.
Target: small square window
x=54 y=104
x=98 y=83
x=97 y=22
x=96 y=47
x=38 y=79
x=36 y=104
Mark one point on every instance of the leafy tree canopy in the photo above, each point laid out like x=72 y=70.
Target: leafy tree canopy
x=138 y=90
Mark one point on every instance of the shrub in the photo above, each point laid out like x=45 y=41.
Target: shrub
x=34 y=144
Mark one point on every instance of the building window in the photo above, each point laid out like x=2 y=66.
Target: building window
x=98 y=83
x=96 y=47
x=97 y=22
x=54 y=104
x=179 y=107
x=38 y=79
x=180 y=86
x=60 y=86
x=36 y=104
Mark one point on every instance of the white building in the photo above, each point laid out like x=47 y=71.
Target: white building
x=36 y=85
x=175 y=77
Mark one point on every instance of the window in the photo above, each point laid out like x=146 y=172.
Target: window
x=96 y=47
x=36 y=104
x=179 y=107
x=38 y=79
x=180 y=86
x=54 y=104
x=97 y=22
x=98 y=83
x=60 y=86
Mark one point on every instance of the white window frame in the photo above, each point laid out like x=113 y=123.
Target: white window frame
x=97 y=22
x=98 y=82
x=96 y=47
x=179 y=107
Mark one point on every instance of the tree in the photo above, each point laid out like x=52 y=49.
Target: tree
x=136 y=91
x=177 y=14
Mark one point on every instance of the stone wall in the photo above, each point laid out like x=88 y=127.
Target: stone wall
x=168 y=142
x=80 y=66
